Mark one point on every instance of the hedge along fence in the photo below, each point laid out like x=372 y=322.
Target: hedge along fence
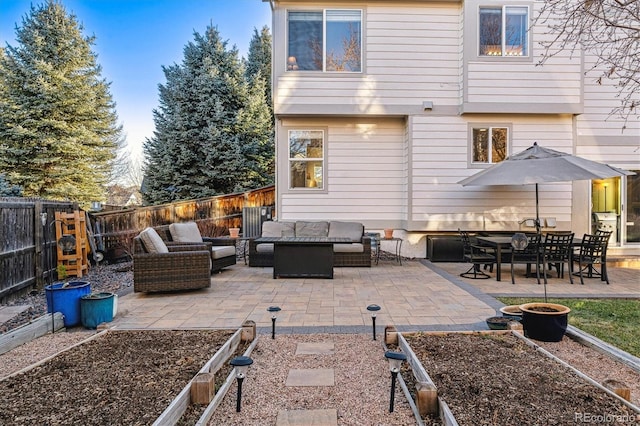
x=114 y=230
x=27 y=247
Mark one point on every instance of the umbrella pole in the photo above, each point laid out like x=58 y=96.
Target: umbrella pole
x=539 y=231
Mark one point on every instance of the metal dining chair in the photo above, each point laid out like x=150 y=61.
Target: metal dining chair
x=592 y=254
x=526 y=251
x=556 y=251
x=476 y=255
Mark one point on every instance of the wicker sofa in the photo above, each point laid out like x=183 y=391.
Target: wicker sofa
x=356 y=253
x=158 y=267
x=223 y=250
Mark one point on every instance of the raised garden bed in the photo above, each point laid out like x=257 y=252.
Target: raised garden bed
x=494 y=378
x=120 y=377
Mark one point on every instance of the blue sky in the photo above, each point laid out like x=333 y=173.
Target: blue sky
x=135 y=38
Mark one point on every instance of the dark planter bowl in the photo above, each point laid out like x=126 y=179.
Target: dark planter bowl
x=546 y=322
x=499 y=323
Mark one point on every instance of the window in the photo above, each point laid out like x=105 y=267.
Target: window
x=306 y=159
x=489 y=144
x=329 y=40
x=503 y=31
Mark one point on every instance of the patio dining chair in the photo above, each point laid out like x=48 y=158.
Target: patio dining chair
x=476 y=255
x=556 y=251
x=526 y=250
x=591 y=256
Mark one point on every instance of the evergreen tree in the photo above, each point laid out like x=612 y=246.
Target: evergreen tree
x=204 y=144
x=259 y=60
x=58 y=126
x=8 y=190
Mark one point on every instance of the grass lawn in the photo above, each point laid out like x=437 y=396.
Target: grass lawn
x=616 y=321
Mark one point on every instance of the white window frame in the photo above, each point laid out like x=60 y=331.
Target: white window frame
x=290 y=62
x=503 y=47
x=323 y=160
x=490 y=126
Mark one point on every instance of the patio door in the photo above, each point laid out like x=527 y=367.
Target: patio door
x=631 y=211
x=615 y=206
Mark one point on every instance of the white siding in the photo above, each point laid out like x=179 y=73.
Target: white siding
x=366 y=173
x=410 y=54
x=518 y=80
x=440 y=160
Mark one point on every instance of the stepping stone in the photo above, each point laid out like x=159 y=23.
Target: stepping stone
x=321 y=348
x=327 y=417
x=311 y=377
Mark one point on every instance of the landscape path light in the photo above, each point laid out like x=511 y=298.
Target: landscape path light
x=274 y=314
x=395 y=362
x=373 y=309
x=241 y=364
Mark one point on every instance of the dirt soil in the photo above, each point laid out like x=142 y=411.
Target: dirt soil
x=118 y=378
x=499 y=380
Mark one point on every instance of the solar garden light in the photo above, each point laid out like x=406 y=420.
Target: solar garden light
x=274 y=314
x=395 y=362
x=241 y=364
x=373 y=309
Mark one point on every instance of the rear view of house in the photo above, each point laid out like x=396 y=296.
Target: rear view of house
x=382 y=107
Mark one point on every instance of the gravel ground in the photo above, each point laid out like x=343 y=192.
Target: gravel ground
x=364 y=379
x=117 y=278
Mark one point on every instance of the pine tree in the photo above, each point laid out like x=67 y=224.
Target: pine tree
x=58 y=126
x=259 y=59
x=205 y=142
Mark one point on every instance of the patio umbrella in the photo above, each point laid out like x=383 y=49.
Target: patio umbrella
x=537 y=165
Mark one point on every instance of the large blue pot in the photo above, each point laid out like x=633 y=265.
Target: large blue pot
x=65 y=298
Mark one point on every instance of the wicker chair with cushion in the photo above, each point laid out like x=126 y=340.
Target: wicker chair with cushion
x=223 y=250
x=158 y=267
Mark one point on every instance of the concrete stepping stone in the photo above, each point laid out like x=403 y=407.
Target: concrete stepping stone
x=328 y=417
x=311 y=377
x=320 y=348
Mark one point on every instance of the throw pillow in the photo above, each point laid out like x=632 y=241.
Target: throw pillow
x=152 y=241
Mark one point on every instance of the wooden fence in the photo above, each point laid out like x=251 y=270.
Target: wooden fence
x=114 y=230
x=28 y=249
x=27 y=246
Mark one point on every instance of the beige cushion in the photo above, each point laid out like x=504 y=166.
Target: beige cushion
x=348 y=248
x=152 y=241
x=218 y=252
x=186 y=232
x=312 y=229
x=350 y=230
x=277 y=229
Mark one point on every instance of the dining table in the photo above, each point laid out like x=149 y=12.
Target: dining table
x=501 y=242
x=498 y=243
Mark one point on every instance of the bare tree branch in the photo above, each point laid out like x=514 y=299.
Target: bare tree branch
x=608 y=29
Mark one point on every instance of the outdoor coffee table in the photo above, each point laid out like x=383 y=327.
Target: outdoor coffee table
x=303 y=257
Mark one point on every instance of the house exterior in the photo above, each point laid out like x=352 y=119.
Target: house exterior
x=382 y=107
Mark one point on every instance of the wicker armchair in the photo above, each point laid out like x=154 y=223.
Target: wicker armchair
x=218 y=260
x=182 y=268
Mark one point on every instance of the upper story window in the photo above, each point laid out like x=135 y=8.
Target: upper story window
x=503 y=31
x=306 y=159
x=489 y=144
x=328 y=40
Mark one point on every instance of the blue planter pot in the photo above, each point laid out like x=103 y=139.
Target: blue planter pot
x=96 y=308
x=65 y=298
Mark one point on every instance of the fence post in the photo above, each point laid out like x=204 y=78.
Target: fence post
x=38 y=241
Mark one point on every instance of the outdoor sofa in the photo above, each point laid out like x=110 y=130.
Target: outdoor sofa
x=355 y=253
x=158 y=267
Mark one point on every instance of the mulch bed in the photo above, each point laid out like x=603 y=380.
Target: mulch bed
x=122 y=377
x=499 y=380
